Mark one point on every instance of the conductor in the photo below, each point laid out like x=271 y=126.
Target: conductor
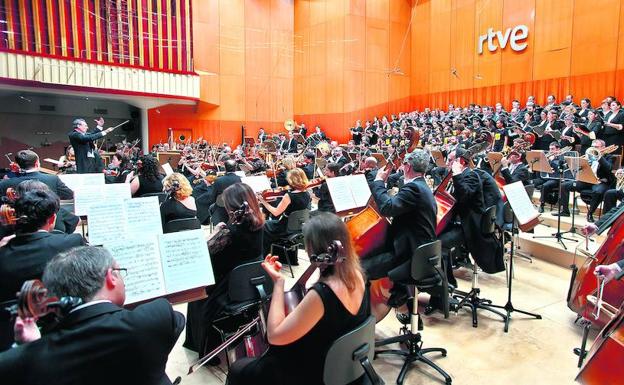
x=88 y=159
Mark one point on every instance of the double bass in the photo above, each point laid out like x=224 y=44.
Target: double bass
x=583 y=280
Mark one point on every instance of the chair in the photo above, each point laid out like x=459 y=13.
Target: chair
x=472 y=299
x=289 y=246
x=249 y=288
x=425 y=273
x=350 y=356
x=162 y=196
x=175 y=225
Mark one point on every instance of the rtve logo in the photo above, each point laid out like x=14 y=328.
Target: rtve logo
x=513 y=36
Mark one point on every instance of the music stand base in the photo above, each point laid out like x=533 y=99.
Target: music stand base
x=471 y=300
x=558 y=236
x=509 y=308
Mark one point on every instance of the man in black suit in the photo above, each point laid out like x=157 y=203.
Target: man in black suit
x=25 y=256
x=308 y=168
x=513 y=170
x=325 y=202
x=88 y=159
x=338 y=157
x=413 y=210
x=602 y=169
x=261 y=135
x=29 y=164
x=218 y=212
x=98 y=342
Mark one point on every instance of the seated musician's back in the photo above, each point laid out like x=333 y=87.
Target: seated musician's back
x=98 y=342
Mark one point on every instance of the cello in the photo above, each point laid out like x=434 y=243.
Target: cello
x=604 y=360
x=583 y=281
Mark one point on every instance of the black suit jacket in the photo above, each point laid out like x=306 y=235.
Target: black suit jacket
x=52 y=181
x=610 y=134
x=99 y=344
x=83 y=144
x=221 y=183
x=24 y=258
x=520 y=173
x=413 y=210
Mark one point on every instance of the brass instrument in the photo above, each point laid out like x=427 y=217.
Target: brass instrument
x=596 y=153
x=290 y=125
x=558 y=152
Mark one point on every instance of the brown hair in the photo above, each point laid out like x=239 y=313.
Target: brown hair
x=233 y=198
x=297 y=179
x=324 y=228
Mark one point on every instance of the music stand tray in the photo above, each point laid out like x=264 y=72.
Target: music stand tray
x=494 y=158
x=538 y=162
x=584 y=172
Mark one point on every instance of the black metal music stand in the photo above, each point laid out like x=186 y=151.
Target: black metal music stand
x=509 y=307
x=578 y=167
x=559 y=234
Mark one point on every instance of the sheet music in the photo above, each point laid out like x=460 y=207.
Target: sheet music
x=86 y=196
x=104 y=225
x=143 y=216
x=257 y=183
x=185 y=260
x=520 y=203
x=360 y=190
x=74 y=181
x=142 y=259
x=167 y=168
x=341 y=194
x=240 y=173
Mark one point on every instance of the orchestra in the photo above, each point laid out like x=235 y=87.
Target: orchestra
x=431 y=175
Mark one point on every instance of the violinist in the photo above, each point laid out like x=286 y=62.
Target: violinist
x=231 y=244
x=217 y=211
x=308 y=164
x=295 y=200
x=179 y=203
x=35 y=243
x=325 y=203
x=202 y=192
x=68 y=161
x=287 y=165
x=98 y=342
x=118 y=168
x=602 y=169
x=29 y=164
x=336 y=304
x=254 y=164
x=147 y=178
x=413 y=211
x=290 y=145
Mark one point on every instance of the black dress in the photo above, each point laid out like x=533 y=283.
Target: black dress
x=173 y=209
x=277 y=229
x=302 y=361
x=241 y=245
x=147 y=186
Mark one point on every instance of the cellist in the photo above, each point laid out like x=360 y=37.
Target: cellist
x=413 y=210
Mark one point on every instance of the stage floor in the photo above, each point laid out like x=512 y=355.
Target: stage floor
x=532 y=352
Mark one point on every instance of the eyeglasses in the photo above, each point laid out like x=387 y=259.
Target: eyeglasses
x=123 y=272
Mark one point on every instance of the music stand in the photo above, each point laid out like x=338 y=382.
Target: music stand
x=538 y=162
x=494 y=159
x=518 y=199
x=381 y=159
x=541 y=166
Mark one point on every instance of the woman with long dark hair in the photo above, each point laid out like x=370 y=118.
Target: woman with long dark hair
x=232 y=244
x=148 y=179
x=334 y=305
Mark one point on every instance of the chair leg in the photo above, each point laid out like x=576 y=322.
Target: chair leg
x=472 y=301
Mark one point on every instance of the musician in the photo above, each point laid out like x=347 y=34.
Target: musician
x=303 y=130
x=288 y=164
x=613 y=195
x=29 y=164
x=336 y=304
x=370 y=169
x=413 y=211
x=35 y=243
x=179 y=203
x=231 y=244
x=593 y=129
x=356 y=133
x=318 y=135
x=470 y=206
x=98 y=342
x=602 y=170
x=551 y=184
x=370 y=134
x=612 y=131
x=202 y=192
x=514 y=170
x=148 y=179
x=217 y=212
x=68 y=161
x=261 y=135
x=551 y=103
x=254 y=164
x=584 y=110
x=289 y=145
x=294 y=200
x=338 y=157
x=608 y=272
x=88 y=158
x=501 y=139
x=552 y=126
x=308 y=164
x=118 y=169
x=325 y=203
